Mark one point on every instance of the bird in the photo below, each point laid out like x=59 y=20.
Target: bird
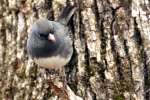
x=50 y=46
x=49 y=43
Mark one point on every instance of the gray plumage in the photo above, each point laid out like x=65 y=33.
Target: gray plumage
x=66 y=14
x=47 y=53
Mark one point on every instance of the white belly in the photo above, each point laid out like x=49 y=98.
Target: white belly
x=52 y=62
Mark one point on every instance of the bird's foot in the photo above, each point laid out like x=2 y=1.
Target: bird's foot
x=59 y=91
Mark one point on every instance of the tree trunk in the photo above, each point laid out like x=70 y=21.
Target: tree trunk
x=111 y=59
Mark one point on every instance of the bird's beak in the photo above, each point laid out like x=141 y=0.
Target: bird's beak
x=51 y=37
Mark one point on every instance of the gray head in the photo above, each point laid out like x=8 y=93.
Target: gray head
x=43 y=40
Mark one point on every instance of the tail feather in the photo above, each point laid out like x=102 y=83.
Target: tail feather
x=66 y=14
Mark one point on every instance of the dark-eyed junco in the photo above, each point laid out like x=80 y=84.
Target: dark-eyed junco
x=49 y=43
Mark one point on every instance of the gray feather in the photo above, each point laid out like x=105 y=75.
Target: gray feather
x=66 y=14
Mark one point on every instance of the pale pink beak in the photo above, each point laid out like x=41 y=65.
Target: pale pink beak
x=51 y=37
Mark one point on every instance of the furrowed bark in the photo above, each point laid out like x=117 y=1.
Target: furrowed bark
x=111 y=50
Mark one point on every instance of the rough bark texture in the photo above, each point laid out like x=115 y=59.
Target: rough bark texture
x=111 y=58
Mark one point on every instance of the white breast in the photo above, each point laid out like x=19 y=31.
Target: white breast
x=53 y=62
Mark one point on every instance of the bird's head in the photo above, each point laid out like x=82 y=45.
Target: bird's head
x=43 y=39
x=44 y=31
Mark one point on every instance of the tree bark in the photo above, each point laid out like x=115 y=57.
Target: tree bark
x=111 y=59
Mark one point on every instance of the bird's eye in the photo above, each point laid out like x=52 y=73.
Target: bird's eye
x=43 y=35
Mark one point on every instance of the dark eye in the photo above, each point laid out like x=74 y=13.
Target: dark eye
x=43 y=35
